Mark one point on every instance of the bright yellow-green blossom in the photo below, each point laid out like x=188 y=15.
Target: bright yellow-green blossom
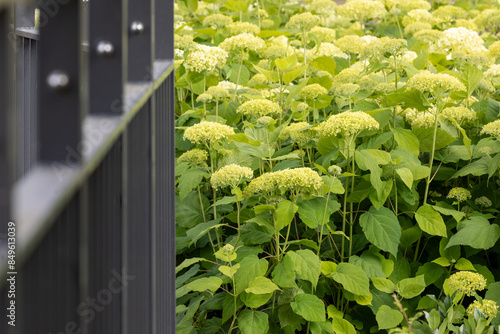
x=494 y=49
x=420 y=119
x=487 y=18
x=347 y=90
x=362 y=10
x=492 y=72
x=205 y=97
x=264 y=121
x=218 y=93
x=418 y=15
x=348 y=75
x=242 y=42
x=475 y=58
x=273 y=51
x=225 y=152
x=348 y=123
x=183 y=42
x=488 y=307
x=351 y=44
x=459 y=194
x=205 y=58
x=259 y=78
x=462 y=115
x=311 y=92
x=465 y=24
x=428 y=36
x=385 y=87
x=461 y=40
x=467 y=282
x=385 y=45
x=324 y=34
x=416 y=27
x=426 y=81
x=259 y=108
x=302 y=106
x=207 y=132
x=195 y=157
x=483 y=201
x=228 y=248
x=230 y=176
x=326 y=50
x=408 y=6
x=449 y=13
x=323 y=7
x=305 y=21
x=267 y=23
x=217 y=21
x=300 y=133
x=334 y=170
x=238 y=28
x=492 y=129
x=296 y=180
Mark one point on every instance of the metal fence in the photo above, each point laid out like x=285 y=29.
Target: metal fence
x=87 y=166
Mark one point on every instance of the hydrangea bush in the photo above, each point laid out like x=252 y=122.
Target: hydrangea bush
x=337 y=166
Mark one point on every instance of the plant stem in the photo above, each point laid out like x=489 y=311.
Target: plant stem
x=351 y=220
x=432 y=157
x=320 y=239
x=238 y=77
x=305 y=56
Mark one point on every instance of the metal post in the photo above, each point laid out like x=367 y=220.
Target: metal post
x=164 y=29
x=108 y=56
x=58 y=84
x=140 y=48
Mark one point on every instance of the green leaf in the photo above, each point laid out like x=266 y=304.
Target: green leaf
x=287 y=63
x=383 y=284
x=206 y=283
x=190 y=180
x=477 y=168
x=253 y=322
x=322 y=328
x=342 y=326
x=388 y=318
x=188 y=262
x=271 y=75
x=411 y=287
x=309 y=307
x=312 y=212
x=369 y=160
x=471 y=76
x=188 y=213
x=242 y=138
x=411 y=99
x=325 y=64
x=476 y=232
x=250 y=267
x=448 y=210
x=236 y=5
x=492 y=110
x=306 y=264
x=406 y=176
x=284 y=274
x=229 y=271
x=430 y=221
x=381 y=227
x=293 y=74
x=284 y=214
x=464 y=264
x=407 y=140
x=261 y=285
x=352 y=278
x=426 y=136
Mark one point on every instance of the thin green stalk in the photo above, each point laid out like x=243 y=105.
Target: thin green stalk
x=351 y=220
x=238 y=77
x=305 y=56
x=428 y=180
x=320 y=239
x=344 y=213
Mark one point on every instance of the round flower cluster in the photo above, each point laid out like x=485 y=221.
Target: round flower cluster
x=324 y=34
x=492 y=129
x=449 y=13
x=323 y=7
x=483 y=201
x=195 y=157
x=348 y=75
x=428 y=36
x=347 y=90
x=351 y=44
x=204 y=98
x=259 y=78
x=461 y=40
x=259 y=108
x=300 y=133
x=217 y=21
x=426 y=81
x=326 y=50
x=467 y=282
x=243 y=42
x=230 y=176
x=493 y=71
x=462 y=115
x=218 y=93
x=420 y=119
x=334 y=170
x=418 y=15
x=311 y=92
x=460 y=194
x=416 y=27
x=184 y=42
x=238 y=28
x=228 y=248
x=305 y=21
x=207 y=132
x=264 y=121
x=295 y=180
x=494 y=49
x=362 y=10
x=488 y=307
x=205 y=58
x=348 y=124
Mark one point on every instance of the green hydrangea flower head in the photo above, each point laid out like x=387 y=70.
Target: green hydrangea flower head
x=492 y=129
x=362 y=10
x=426 y=81
x=259 y=107
x=348 y=123
x=459 y=194
x=467 y=282
x=230 y=176
x=207 y=132
x=460 y=114
x=311 y=92
x=218 y=93
x=217 y=21
x=243 y=42
x=205 y=58
x=304 y=21
x=488 y=307
x=195 y=157
x=299 y=133
x=238 y=28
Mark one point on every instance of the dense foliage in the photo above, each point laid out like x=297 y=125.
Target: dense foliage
x=337 y=166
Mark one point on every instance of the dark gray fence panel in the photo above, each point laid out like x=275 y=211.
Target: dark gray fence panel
x=140 y=51
x=105 y=247
x=164 y=29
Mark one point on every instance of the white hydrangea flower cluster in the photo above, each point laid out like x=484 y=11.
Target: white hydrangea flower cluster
x=461 y=40
x=348 y=123
x=230 y=176
x=207 y=132
x=259 y=108
x=243 y=42
x=362 y=10
x=205 y=58
x=426 y=81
